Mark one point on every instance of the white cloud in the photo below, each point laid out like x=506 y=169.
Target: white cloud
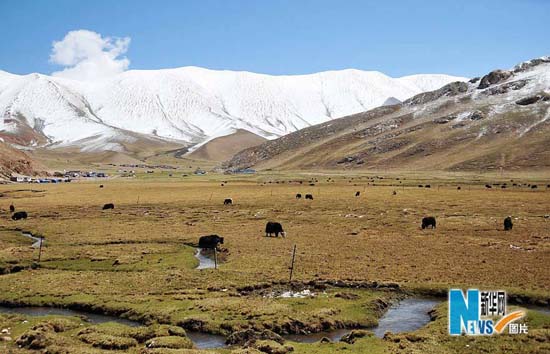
x=89 y=56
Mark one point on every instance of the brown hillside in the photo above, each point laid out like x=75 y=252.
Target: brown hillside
x=16 y=161
x=225 y=147
x=502 y=123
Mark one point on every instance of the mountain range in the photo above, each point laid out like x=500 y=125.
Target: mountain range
x=499 y=122
x=186 y=107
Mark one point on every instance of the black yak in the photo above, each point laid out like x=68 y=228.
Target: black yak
x=210 y=241
x=108 y=206
x=428 y=221
x=298 y=196
x=274 y=228
x=309 y=196
x=357 y=194
x=228 y=201
x=19 y=215
x=508 y=223
x=12 y=208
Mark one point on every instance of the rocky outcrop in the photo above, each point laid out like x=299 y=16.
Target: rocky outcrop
x=533 y=99
x=449 y=90
x=526 y=65
x=505 y=88
x=477 y=115
x=494 y=77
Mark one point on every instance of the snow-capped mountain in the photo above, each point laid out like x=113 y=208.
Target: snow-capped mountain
x=189 y=105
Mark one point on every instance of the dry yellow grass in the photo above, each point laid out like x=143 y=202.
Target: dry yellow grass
x=376 y=236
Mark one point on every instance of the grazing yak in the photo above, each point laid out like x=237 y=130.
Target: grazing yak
x=12 y=208
x=228 y=201
x=274 y=228
x=210 y=241
x=428 y=221
x=108 y=206
x=100 y=186
x=488 y=186
x=357 y=194
x=19 y=215
x=298 y=196
x=309 y=196
x=508 y=223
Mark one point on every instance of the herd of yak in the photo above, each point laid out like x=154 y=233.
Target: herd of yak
x=275 y=228
x=271 y=228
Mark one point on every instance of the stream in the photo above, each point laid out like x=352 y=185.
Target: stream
x=36 y=240
x=201 y=340
x=206 y=340
x=407 y=315
x=204 y=261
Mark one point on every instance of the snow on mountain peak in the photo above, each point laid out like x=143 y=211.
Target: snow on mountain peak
x=193 y=104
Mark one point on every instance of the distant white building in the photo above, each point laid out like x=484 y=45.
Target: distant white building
x=15 y=177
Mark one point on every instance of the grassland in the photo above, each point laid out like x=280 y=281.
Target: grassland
x=136 y=261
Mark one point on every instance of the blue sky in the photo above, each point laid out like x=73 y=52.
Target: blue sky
x=465 y=38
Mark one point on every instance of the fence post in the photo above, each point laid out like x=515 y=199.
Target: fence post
x=292 y=263
x=40 y=249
